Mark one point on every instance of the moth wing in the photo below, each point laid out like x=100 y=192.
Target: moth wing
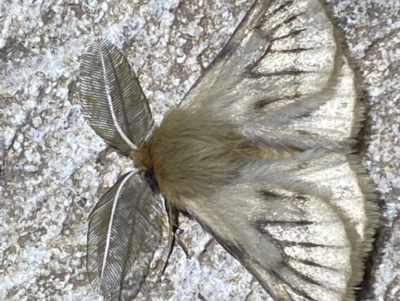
x=302 y=228
x=124 y=232
x=282 y=64
x=333 y=125
x=112 y=99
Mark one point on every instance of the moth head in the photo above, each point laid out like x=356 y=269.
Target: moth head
x=142 y=158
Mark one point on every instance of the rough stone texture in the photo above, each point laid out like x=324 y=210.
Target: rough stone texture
x=54 y=167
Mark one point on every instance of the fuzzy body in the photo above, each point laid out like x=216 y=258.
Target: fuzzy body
x=193 y=153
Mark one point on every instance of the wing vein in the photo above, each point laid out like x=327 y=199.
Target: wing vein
x=108 y=238
x=110 y=103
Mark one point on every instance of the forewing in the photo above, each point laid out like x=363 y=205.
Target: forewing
x=124 y=232
x=301 y=226
x=282 y=52
x=112 y=99
x=283 y=74
x=333 y=125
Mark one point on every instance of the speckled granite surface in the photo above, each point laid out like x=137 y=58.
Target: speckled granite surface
x=55 y=168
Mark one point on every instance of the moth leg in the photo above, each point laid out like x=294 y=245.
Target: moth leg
x=199 y=59
x=183 y=247
x=250 y=293
x=208 y=245
x=173 y=219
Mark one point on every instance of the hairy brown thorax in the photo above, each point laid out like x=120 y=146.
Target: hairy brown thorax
x=193 y=153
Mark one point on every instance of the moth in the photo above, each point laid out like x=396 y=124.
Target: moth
x=260 y=152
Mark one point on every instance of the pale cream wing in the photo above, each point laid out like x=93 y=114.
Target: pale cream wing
x=124 y=232
x=283 y=69
x=301 y=225
x=112 y=99
x=337 y=177
x=282 y=53
x=333 y=125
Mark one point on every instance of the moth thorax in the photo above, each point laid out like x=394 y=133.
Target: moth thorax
x=194 y=153
x=141 y=158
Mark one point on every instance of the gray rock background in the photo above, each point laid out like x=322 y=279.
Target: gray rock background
x=54 y=167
